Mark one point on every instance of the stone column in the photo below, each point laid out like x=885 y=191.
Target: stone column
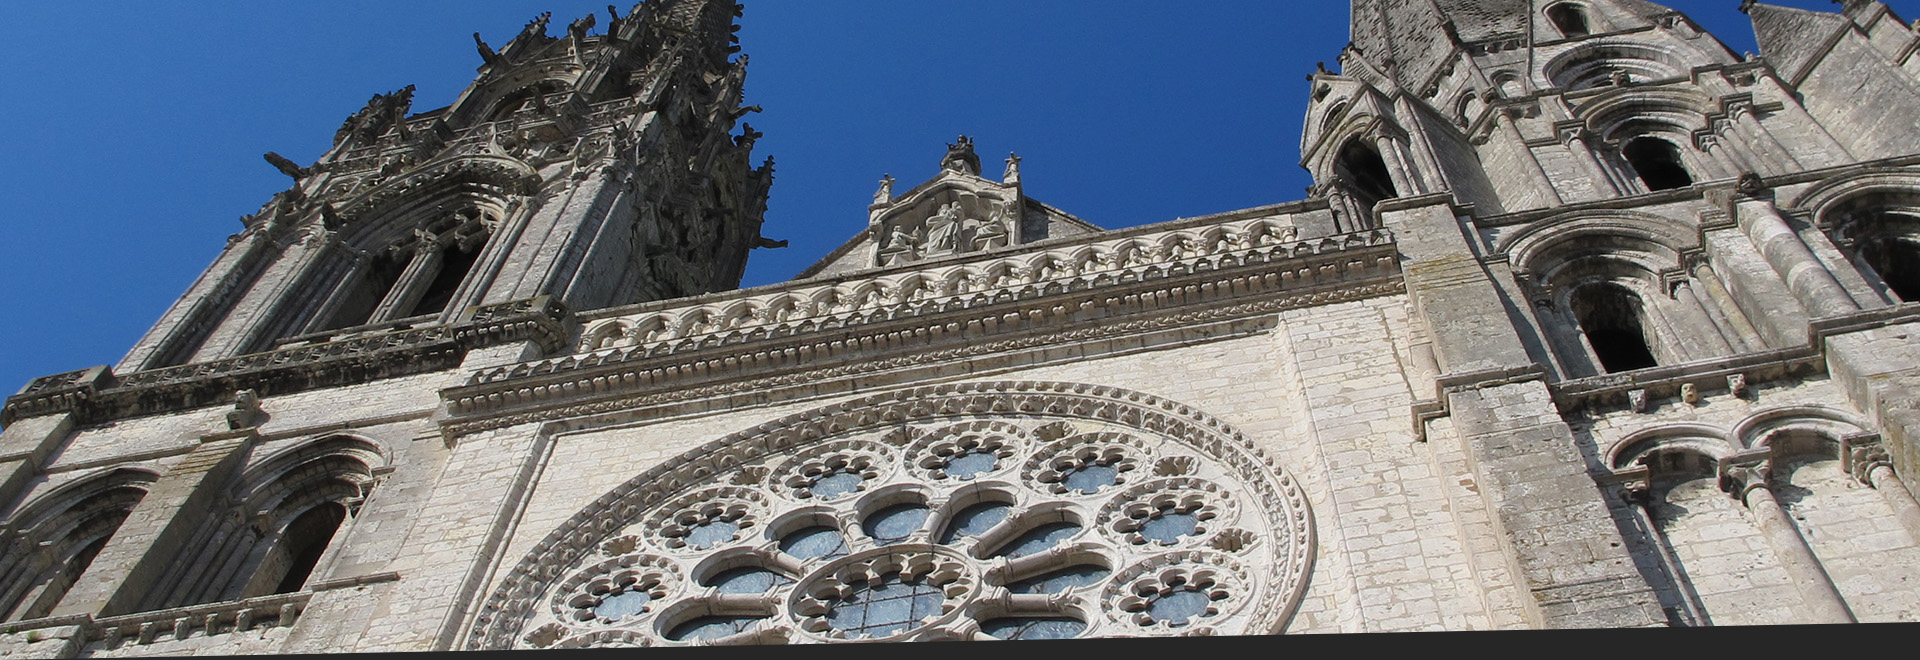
x=1806 y=276
x=1748 y=483
x=156 y=531
x=1575 y=138
x=1405 y=181
x=1723 y=338
x=1506 y=120
x=1745 y=158
x=1716 y=296
x=1757 y=136
x=412 y=283
x=1870 y=464
x=1723 y=163
x=1638 y=494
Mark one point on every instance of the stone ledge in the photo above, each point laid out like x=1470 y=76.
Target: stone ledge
x=97 y=394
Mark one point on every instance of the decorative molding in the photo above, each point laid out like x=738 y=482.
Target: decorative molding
x=1265 y=544
x=97 y=395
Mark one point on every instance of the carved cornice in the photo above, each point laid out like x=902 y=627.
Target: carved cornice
x=96 y=395
x=883 y=335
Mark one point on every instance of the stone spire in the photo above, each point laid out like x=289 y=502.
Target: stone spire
x=1410 y=39
x=1406 y=39
x=1791 y=38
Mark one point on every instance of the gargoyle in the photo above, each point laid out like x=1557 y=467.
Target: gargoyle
x=486 y=52
x=287 y=167
x=578 y=29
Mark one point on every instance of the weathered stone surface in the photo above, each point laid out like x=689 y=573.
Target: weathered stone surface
x=1620 y=339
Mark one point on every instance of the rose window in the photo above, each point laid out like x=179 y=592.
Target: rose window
x=912 y=518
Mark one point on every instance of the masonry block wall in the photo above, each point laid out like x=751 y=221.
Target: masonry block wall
x=1587 y=322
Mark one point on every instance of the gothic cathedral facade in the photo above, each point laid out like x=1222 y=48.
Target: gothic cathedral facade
x=1586 y=322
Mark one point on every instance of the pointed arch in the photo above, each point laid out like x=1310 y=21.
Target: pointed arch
x=286 y=513
x=54 y=538
x=1364 y=168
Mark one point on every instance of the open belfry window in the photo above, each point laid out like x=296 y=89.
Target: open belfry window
x=300 y=547
x=1611 y=317
x=416 y=276
x=287 y=513
x=52 y=542
x=1657 y=162
x=1360 y=164
x=1570 y=19
x=1889 y=243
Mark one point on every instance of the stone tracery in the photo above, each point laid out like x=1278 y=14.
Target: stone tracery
x=1201 y=536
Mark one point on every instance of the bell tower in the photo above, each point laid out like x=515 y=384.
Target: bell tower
x=595 y=165
x=1514 y=105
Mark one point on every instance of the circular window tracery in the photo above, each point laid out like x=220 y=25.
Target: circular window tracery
x=900 y=517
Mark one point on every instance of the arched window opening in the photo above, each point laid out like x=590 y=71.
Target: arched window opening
x=288 y=512
x=530 y=97
x=1570 y=19
x=52 y=546
x=62 y=581
x=382 y=272
x=1610 y=316
x=455 y=263
x=1658 y=163
x=1897 y=261
x=1363 y=168
x=304 y=541
x=1886 y=240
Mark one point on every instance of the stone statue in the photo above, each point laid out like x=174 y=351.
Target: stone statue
x=943 y=229
x=885 y=193
x=994 y=232
x=1013 y=169
x=960 y=157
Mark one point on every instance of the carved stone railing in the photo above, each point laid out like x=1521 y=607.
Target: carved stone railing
x=1027 y=300
x=1019 y=276
x=97 y=394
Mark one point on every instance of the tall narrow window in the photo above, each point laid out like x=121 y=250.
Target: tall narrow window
x=1610 y=316
x=63 y=580
x=1658 y=163
x=455 y=263
x=375 y=281
x=298 y=551
x=1570 y=19
x=1361 y=165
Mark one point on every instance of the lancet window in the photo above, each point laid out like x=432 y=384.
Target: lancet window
x=1362 y=167
x=415 y=276
x=280 y=520
x=55 y=539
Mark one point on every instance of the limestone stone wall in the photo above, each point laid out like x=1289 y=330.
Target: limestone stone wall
x=1321 y=389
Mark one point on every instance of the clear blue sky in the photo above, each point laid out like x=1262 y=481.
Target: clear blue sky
x=134 y=129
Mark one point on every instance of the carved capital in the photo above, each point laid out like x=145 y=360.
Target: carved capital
x=1743 y=477
x=1863 y=453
